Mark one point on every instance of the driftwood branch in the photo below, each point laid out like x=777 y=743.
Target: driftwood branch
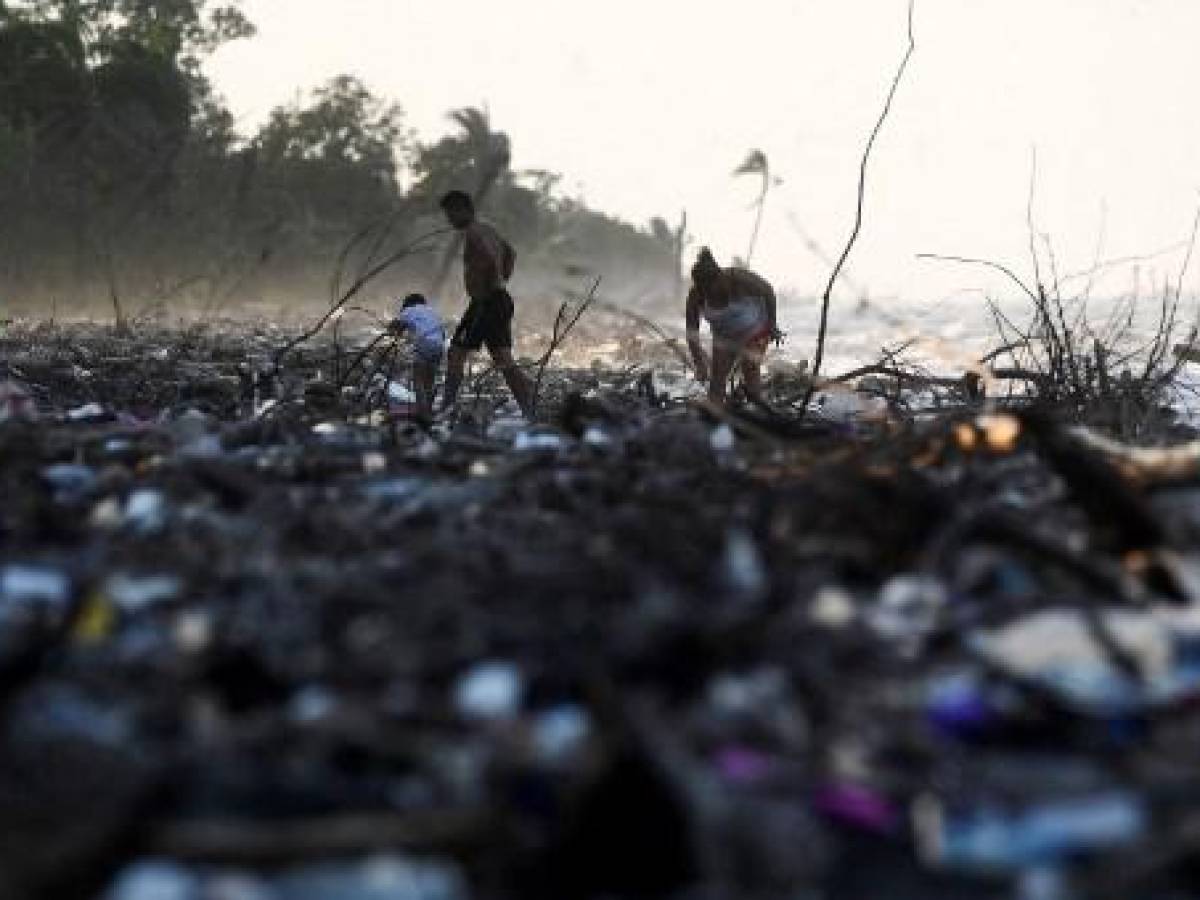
x=256 y=842
x=358 y=284
x=562 y=328
x=983 y=262
x=672 y=343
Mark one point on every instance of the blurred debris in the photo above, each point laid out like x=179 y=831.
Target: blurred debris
x=263 y=637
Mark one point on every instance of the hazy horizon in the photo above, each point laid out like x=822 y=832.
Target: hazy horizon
x=646 y=109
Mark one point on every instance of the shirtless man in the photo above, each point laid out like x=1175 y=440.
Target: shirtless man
x=740 y=308
x=488 y=261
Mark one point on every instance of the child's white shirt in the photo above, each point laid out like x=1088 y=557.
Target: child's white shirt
x=424 y=323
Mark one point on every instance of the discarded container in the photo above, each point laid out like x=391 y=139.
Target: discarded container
x=743 y=765
x=539 y=439
x=71 y=481
x=832 y=608
x=193 y=631
x=400 y=394
x=155 y=880
x=57 y=711
x=24 y=583
x=747 y=693
x=724 y=443
x=383 y=877
x=146 y=510
x=596 y=437
x=1057 y=648
x=89 y=412
x=490 y=691
x=858 y=806
x=908 y=608
x=992 y=838
x=743 y=570
x=135 y=592
x=311 y=704
x=958 y=706
x=559 y=732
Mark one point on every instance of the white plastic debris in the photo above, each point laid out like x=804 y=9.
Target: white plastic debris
x=845 y=406
x=490 y=691
x=86 y=413
x=146 y=510
x=399 y=393
x=193 y=631
x=1059 y=648
x=538 y=439
x=388 y=876
x=908 y=606
x=134 y=592
x=679 y=387
x=428 y=449
x=190 y=431
x=238 y=886
x=506 y=427
x=33 y=584
x=560 y=732
x=832 y=608
x=69 y=480
x=155 y=880
x=311 y=704
x=115 y=446
x=736 y=694
x=1060 y=641
x=722 y=438
x=16 y=402
x=742 y=567
x=106 y=514
x=724 y=445
x=595 y=436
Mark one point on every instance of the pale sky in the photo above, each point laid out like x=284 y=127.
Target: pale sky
x=647 y=107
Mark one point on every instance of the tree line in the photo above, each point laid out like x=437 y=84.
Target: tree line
x=124 y=180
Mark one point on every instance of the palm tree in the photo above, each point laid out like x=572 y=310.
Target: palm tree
x=490 y=155
x=491 y=151
x=756 y=164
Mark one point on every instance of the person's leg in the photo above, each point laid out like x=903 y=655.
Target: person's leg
x=722 y=364
x=518 y=382
x=468 y=337
x=456 y=363
x=424 y=374
x=752 y=358
x=499 y=343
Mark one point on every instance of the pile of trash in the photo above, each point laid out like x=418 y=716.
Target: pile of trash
x=265 y=639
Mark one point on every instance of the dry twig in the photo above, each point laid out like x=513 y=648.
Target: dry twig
x=858 y=214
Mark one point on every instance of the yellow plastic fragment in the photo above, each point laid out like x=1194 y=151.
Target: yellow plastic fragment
x=965 y=436
x=1000 y=432
x=96 y=620
x=1137 y=562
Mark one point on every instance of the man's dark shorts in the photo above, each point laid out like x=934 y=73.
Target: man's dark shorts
x=488 y=320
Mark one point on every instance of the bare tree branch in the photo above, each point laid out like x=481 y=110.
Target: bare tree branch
x=970 y=260
x=562 y=328
x=858 y=214
x=359 y=283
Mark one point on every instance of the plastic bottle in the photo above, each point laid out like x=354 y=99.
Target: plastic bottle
x=993 y=838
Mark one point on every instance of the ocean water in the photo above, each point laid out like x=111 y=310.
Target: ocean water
x=948 y=337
